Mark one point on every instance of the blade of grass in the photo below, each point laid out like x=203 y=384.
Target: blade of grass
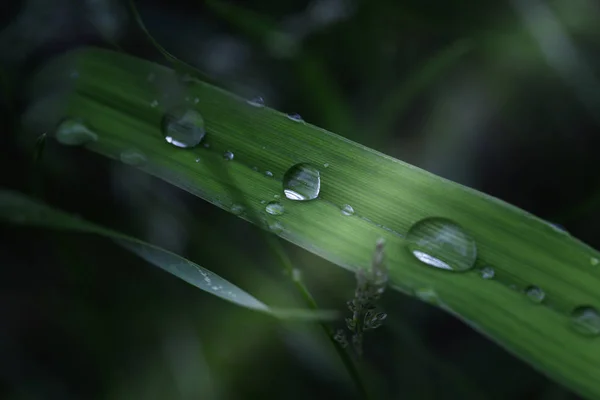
x=115 y=100
x=22 y=210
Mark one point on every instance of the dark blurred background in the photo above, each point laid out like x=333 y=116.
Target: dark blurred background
x=500 y=96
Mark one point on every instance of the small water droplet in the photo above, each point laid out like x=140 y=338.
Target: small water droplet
x=269 y=174
x=228 y=155
x=206 y=145
x=196 y=100
x=347 y=209
x=535 y=294
x=132 y=157
x=256 y=102
x=275 y=208
x=154 y=103
x=443 y=244
x=237 y=209
x=594 y=261
x=487 y=273
x=73 y=132
x=276 y=196
x=586 y=321
x=183 y=127
x=326 y=165
x=302 y=182
x=276 y=227
x=263 y=202
x=198 y=159
x=295 y=117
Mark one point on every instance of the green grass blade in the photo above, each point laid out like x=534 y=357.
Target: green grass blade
x=22 y=210
x=116 y=101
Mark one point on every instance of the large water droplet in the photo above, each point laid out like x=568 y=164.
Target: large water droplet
x=347 y=209
x=183 y=127
x=73 y=132
x=586 y=321
x=441 y=243
x=535 y=294
x=132 y=157
x=487 y=273
x=228 y=155
x=302 y=182
x=275 y=208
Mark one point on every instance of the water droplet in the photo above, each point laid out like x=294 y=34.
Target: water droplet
x=535 y=294
x=594 y=261
x=275 y=208
x=586 y=321
x=196 y=100
x=441 y=243
x=228 y=155
x=132 y=157
x=302 y=182
x=263 y=202
x=183 y=127
x=206 y=145
x=256 y=102
x=295 y=117
x=276 y=227
x=487 y=273
x=326 y=165
x=237 y=209
x=276 y=196
x=154 y=103
x=269 y=174
x=73 y=132
x=198 y=159
x=347 y=209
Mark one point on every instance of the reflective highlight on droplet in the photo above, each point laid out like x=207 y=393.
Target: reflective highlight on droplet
x=228 y=155
x=302 y=182
x=73 y=132
x=586 y=321
x=441 y=243
x=183 y=127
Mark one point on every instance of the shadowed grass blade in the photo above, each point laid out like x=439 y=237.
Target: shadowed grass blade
x=22 y=210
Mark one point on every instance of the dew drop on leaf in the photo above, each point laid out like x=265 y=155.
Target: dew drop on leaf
x=586 y=321
x=183 y=127
x=441 y=243
x=302 y=182
x=132 y=157
x=73 y=132
x=347 y=210
x=535 y=294
x=274 y=208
